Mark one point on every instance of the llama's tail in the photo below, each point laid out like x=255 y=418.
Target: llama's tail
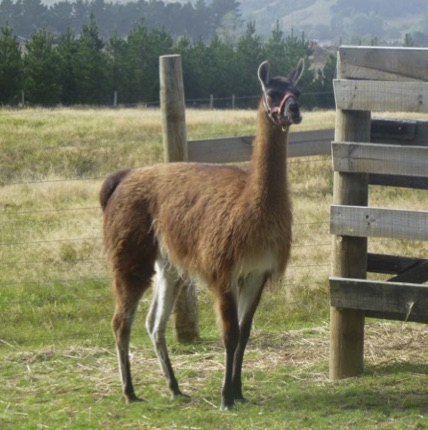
x=110 y=184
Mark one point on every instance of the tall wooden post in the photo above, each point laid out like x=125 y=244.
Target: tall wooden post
x=175 y=149
x=349 y=253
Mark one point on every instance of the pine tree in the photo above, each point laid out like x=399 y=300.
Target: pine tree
x=195 y=60
x=296 y=48
x=121 y=75
x=274 y=51
x=10 y=67
x=41 y=70
x=90 y=67
x=144 y=49
x=67 y=49
x=249 y=55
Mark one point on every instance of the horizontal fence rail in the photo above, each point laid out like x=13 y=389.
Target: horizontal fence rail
x=404 y=301
x=239 y=149
x=381 y=159
x=381 y=96
x=378 y=222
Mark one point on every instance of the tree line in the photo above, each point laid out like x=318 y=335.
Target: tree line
x=198 y=21
x=84 y=69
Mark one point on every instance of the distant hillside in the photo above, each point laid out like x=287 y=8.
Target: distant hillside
x=346 y=20
x=291 y=14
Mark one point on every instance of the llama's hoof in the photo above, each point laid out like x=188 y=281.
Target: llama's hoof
x=241 y=399
x=227 y=407
x=181 y=397
x=133 y=399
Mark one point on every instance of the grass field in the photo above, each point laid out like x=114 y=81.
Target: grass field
x=58 y=365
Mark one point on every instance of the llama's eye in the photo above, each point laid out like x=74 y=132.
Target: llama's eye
x=275 y=95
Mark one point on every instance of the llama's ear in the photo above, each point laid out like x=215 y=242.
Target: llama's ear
x=263 y=74
x=297 y=73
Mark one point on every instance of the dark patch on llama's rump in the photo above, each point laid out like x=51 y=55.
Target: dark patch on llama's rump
x=110 y=184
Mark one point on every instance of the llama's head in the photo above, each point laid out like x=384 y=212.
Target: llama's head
x=280 y=95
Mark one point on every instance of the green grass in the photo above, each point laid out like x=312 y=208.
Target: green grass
x=285 y=380
x=58 y=365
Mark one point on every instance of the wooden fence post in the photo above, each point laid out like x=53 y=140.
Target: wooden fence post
x=175 y=149
x=349 y=253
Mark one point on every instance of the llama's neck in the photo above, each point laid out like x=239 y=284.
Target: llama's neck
x=268 y=172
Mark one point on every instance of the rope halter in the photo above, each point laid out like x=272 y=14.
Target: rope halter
x=274 y=113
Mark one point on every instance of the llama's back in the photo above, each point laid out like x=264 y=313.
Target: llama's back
x=182 y=207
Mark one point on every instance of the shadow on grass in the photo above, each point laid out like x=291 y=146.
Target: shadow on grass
x=388 y=390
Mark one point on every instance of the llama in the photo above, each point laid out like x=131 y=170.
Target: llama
x=228 y=227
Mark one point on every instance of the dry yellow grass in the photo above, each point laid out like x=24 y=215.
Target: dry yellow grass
x=51 y=222
x=53 y=145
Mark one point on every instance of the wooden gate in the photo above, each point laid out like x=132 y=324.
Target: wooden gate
x=374 y=79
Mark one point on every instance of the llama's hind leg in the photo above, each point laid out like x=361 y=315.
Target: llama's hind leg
x=167 y=288
x=128 y=292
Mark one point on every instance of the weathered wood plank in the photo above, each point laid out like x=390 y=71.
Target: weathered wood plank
x=221 y=150
x=399 y=181
x=385 y=129
x=399 y=132
x=391 y=264
x=313 y=142
x=380 y=158
x=415 y=275
x=381 y=95
x=359 y=221
x=237 y=149
x=383 y=63
x=410 y=300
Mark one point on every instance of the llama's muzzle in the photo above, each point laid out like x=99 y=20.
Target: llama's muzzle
x=291 y=111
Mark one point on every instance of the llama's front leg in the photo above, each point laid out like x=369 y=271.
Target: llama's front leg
x=166 y=292
x=248 y=299
x=230 y=328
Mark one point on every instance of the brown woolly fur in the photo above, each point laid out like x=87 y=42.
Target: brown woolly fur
x=227 y=226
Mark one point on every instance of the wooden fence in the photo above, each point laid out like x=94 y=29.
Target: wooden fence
x=375 y=79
